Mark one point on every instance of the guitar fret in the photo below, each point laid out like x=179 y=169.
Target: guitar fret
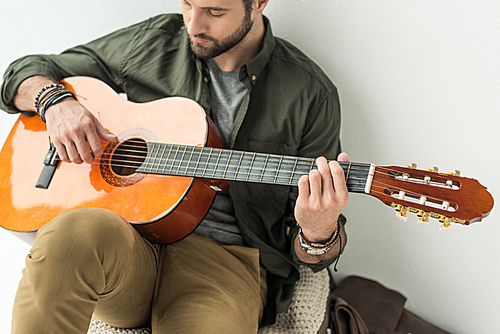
x=154 y=159
x=166 y=160
x=161 y=157
x=198 y=161
x=238 y=167
x=293 y=171
x=301 y=167
x=264 y=168
x=348 y=171
x=148 y=159
x=243 y=166
x=278 y=169
x=217 y=163
x=208 y=159
x=251 y=165
x=227 y=164
x=173 y=160
x=189 y=161
x=224 y=167
x=180 y=161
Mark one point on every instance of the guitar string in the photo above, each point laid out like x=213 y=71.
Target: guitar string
x=360 y=188
x=214 y=165
x=302 y=162
x=225 y=151
x=207 y=164
x=376 y=185
x=256 y=171
x=374 y=190
x=280 y=179
x=382 y=172
x=183 y=164
x=224 y=154
x=262 y=156
x=353 y=188
x=142 y=147
x=412 y=194
x=426 y=207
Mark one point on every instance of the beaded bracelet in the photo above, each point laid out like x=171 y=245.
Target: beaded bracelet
x=43 y=90
x=54 y=99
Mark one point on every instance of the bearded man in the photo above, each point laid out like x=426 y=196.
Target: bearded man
x=238 y=269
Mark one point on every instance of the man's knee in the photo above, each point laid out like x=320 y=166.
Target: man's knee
x=90 y=227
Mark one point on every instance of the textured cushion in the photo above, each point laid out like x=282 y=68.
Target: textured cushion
x=305 y=315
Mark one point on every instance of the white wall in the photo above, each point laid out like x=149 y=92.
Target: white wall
x=418 y=82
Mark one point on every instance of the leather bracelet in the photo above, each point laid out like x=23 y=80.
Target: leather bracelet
x=315 y=248
x=43 y=90
x=45 y=97
x=56 y=98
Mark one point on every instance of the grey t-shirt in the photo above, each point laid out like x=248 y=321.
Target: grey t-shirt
x=220 y=223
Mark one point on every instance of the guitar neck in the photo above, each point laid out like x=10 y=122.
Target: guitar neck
x=230 y=165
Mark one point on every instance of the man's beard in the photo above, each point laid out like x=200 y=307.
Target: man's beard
x=221 y=46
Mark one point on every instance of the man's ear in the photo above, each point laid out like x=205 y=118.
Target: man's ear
x=259 y=5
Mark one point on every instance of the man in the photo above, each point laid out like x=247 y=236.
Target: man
x=238 y=269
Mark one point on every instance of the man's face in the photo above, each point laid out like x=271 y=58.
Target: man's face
x=215 y=26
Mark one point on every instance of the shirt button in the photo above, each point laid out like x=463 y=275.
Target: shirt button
x=205 y=79
x=254 y=77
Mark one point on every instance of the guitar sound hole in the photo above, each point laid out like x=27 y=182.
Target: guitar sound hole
x=128 y=156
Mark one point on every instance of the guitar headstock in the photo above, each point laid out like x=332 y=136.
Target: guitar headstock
x=450 y=198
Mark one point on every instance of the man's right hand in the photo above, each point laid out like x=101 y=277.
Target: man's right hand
x=75 y=132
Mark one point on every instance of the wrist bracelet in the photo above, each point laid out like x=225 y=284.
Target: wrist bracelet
x=47 y=95
x=54 y=99
x=45 y=89
x=315 y=248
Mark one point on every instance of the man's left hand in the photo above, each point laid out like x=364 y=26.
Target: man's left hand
x=322 y=197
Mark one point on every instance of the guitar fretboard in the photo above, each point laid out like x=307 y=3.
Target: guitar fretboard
x=230 y=165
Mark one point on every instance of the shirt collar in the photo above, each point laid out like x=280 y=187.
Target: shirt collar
x=254 y=67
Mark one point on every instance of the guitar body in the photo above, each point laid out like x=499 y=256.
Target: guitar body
x=163 y=209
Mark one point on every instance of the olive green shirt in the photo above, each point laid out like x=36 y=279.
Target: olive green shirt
x=291 y=108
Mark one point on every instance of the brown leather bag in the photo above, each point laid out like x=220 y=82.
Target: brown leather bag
x=362 y=306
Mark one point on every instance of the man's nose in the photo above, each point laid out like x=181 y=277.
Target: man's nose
x=197 y=23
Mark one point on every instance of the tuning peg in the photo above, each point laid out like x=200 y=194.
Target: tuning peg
x=446 y=223
x=401 y=212
x=433 y=169
x=423 y=217
x=455 y=173
x=412 y=166
x=444 y=227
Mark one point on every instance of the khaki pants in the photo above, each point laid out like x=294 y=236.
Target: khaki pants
x=91 y=261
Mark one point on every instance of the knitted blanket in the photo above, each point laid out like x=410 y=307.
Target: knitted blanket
x=305 y=315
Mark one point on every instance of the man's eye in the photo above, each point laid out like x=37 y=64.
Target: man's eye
x=215 y=13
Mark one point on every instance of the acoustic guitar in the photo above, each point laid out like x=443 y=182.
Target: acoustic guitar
x=164 y=171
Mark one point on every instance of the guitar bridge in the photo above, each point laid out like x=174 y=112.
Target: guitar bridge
x=50 y=165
